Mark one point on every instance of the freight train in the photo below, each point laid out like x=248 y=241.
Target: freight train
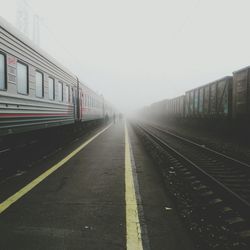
x=36 y=92
x=227 y=98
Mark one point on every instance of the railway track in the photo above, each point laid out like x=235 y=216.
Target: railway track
x=228 y=177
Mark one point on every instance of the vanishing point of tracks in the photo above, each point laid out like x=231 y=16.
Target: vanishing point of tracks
x=229 y=177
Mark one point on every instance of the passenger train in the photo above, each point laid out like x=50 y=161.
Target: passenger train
x=36 y=92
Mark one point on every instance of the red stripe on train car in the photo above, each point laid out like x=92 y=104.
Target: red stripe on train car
x=31 y=115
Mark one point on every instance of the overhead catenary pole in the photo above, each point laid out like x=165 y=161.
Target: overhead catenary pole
x=23 y=21
x=22 y=17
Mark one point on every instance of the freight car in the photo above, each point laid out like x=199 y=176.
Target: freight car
x=167 y=108
x=37 y=92
x=159 y=108
x=210 y=101
x=213 y=100
x=222 y=100
x=175 y=107
x=241 y=94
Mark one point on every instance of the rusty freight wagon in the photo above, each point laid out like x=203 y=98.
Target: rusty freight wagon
x=213 y=100
x=175 y=107
x=159 y=109
x=241 y=94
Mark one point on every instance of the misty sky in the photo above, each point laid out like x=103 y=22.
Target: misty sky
x=137 y=52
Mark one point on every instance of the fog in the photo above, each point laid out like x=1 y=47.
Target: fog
x=137 y=52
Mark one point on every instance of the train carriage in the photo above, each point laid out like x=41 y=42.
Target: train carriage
x=91 y=104
x=224 y=96
x=241 y=93
x=213 y=100
x=158 y=109
x=176 y=107
x=36 y=91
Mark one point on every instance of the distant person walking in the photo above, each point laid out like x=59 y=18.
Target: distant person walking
x=114 y=117
x=120 y=117
x=106 y=118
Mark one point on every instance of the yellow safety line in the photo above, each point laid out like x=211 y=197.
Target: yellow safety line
x=133 y=228
x=12 y=199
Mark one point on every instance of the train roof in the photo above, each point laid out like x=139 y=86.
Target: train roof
x=242 y=69
x=166 y=100
x=89 y=89
x=159 y=102
x=204 y=85
x=177 y=97
x=25 y=40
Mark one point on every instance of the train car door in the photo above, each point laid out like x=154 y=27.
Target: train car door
x=74 y=102
x=81 y=104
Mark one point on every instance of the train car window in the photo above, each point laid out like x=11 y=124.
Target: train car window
x=60 y=91
x=51 y=88
x=2 y=72
x=22 y=78
x=67 y=94
x=39 y=84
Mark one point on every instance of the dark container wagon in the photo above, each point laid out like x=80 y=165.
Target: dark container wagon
x=159 y=109
x=177 y=107
x=213 y=100
x=241 y=94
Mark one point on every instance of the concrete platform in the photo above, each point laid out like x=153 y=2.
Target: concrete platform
x=82 y=205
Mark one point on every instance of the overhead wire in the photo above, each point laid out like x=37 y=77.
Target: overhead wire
x=52 y=35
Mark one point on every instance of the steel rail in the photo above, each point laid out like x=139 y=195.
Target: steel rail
x=203 y=147
x=241 y=205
